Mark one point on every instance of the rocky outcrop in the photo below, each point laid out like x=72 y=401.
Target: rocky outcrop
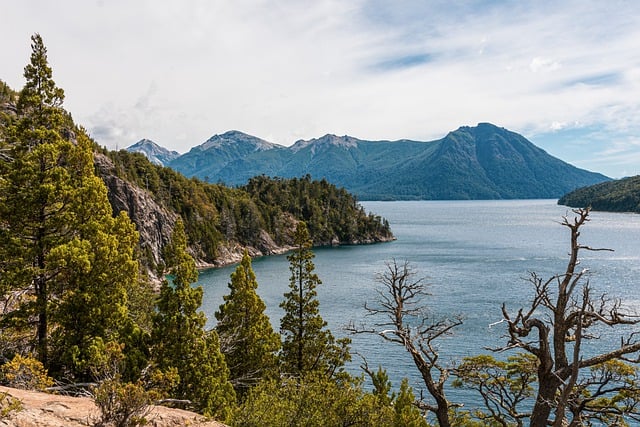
x=153 y=222
x=50 y=410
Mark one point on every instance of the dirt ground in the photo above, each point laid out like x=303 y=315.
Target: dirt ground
x=50 y=410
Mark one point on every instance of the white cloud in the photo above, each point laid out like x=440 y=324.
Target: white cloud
x=539 y=64
x=179 y=71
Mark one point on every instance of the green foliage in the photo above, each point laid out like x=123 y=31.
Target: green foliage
x=332 y=214
x=505 y=386
x=180 y=341
x=405 y=412
x=68 y=263
x=249 y=343
x=7 y=95
x=307 y=346
x=622 y=195
x=121 y=404
x=311 y=401
x=36 y=192
x=609 y=394
x=97 y=270
x=25 y=373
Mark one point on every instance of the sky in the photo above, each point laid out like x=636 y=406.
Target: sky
x=564 y=74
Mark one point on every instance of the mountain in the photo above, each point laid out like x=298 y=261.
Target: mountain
x=157 y=154
x=622 y=195
x=209 y=160
x=481 y=162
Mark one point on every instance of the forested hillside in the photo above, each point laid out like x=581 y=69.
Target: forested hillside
x=261 y=216
x=622 y=195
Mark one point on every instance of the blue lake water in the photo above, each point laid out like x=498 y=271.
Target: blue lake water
x=476 y=255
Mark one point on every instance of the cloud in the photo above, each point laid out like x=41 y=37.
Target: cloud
x=539 y=64
x=179 y=71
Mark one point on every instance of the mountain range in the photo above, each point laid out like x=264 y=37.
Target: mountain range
x=481 y=162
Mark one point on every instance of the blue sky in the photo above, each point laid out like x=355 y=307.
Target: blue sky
x=565 y=74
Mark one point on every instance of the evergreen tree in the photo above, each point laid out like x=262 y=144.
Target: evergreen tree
x=181 y=341
x=36 y=190
x=248 y=341
x=96 y=268
x=67 y=262
x=307 y=346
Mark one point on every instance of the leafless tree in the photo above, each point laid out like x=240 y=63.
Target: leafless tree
x=402 y=319
x=562 y=315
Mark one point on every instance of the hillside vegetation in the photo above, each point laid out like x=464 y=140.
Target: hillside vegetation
x=260 y=215
x=622 y=195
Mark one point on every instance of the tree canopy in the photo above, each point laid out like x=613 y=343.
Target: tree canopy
x=248 y=341
x=307 y=346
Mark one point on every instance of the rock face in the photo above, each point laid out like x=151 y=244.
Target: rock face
x=50 y=410
x=153 y=222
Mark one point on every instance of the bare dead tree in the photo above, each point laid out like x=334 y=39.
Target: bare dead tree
x=400 y=306
x=561 y=315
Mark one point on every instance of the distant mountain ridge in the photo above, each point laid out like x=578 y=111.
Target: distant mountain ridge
x=481 y=162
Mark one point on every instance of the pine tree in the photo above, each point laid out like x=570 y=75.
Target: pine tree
x=307 y=345
x=68 y=262
x=180 y=340
x=96 y=269
x=249 y=342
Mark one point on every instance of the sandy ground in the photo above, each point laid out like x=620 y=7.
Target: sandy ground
x=50 y=410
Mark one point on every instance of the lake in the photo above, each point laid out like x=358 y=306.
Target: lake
x=475 y=255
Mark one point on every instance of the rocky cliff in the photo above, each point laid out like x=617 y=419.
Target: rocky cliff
x=155 y=224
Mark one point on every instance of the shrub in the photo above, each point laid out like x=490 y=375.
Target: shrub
x=25 y=373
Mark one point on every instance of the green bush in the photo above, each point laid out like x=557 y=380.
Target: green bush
x=25 y=373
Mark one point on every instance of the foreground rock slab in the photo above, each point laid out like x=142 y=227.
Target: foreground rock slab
x=51 y=410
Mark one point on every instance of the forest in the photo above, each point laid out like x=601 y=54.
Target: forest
x=622 y=195
x=80 y=316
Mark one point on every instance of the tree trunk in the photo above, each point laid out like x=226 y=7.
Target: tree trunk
x=548 y=386
x=41 y=302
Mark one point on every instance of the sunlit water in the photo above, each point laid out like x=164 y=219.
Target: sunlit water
x=476 y=255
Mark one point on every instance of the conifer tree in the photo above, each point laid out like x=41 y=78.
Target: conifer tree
x=248 y=341
x=68 y=263
x=307 y=345
x=180 y=340
x=95 y=270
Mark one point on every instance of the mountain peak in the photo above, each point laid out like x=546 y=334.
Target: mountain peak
x=233 y=138
x=328 y=140
x=154 y=152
